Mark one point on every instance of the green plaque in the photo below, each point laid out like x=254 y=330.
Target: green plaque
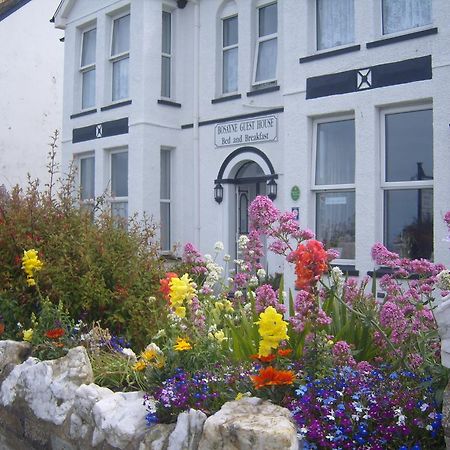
x=295 y=193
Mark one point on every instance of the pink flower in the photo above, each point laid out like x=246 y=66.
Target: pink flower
x=383 y=257
x=266 y=296
x=342 y=354
x=262 y=213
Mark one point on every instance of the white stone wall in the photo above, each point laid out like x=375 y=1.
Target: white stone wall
x=31 y=77
x=196 y=216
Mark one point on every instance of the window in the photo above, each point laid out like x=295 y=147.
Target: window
x=119 y=184
x=230 y=55
x=266 y=46
x=120 y=56
x=166 y=55
x=408 y=183
x=334 y=185
x=399 y=15
x=165 y=199
x=86 y=166
x=87 y=68
x=335 y=23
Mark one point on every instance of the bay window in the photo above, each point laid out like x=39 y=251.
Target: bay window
x=408 y=182
x=120 y=56
x=335 y=21
x=265 y=69
x=334 y=185
x=400 y=15
x=87 y=68
x=229 y=55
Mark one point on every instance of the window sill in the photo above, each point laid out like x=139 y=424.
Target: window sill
x=402 y=37
x=348 y=269
x=226 y=98
x=83 y=113
x=330 y=53
x=263 y=91
x=169 y=103
x=380 y=272
x=115 y=105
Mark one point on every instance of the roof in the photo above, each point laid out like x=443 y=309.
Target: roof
x=7 y=7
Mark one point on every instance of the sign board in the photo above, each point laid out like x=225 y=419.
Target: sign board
x=249 y=131
x=295 y=193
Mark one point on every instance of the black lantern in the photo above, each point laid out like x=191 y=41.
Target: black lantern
x=218 y=193
x=272 y=188
x=181 y=3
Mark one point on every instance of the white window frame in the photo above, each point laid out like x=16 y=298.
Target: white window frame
x=123 y=199
x=223 y=50
x=168 y=55
x=88 y=67
x=119 y=56
x=330 y=188
x=398 y=185
x=405 y=31
x=259 y=40
x=169 y=200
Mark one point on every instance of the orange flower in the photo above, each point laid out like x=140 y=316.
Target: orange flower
x=2 y=328
x=164 y=287
x=284 y=351
x=269 y=376
x=56 y=333
x=264 y=359
x=311 y=261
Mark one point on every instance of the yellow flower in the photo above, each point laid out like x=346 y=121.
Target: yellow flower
x=149 y=354
x=182 y=345
x=220 y=336
x=239 y=396
x=272 y=329
x=224 y=305
x=180 y=311
x=31 y=264
x=140 y=366
x=28 y=335
x=181 y=289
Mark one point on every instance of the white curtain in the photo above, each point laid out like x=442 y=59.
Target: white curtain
x=88 y=91
x=401 y=15
x=121 y=35
x=266 y=68
x=87 y=178
x=335 y=23
x=230 y=70
x=88 y=50
x=120 y=79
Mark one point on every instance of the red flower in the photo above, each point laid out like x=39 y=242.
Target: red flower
x=55 y=333
x=164 y=287
x=2 y=328
x=311 y=261
x=284 y=351
x=269 y=376
x=265 y=359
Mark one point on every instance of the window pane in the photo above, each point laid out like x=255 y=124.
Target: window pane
x=165 y=226
x=166 y=32
x=119 y=209
x=266 y=68
x=165 y=76
x=119 y=174
x=408 y=222
x=409 y=146
x=401 y=15
x=87 y=178
x=230 y=70
x=121 y=35
x=120 y=79
x=335 y=221
x=165 y=175
x=335 y=23
x=88 y=89
x=268 y=18
x=335 y=154
x=230 y=31
x=88 y=50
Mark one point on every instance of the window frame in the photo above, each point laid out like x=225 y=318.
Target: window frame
x=405 y=31
x=117 y=199
x=259 y=40
x=398 y=185
x=170 y=55
x=119 y=56
x=223 y=49
x=169 y=200
x=330 y=188
x=89 y=67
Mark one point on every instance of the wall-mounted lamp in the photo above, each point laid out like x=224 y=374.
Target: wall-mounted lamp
x=272 y=189
x=218 y=193
x=181 y=3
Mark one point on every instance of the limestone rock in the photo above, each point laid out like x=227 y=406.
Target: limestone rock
x=188 y=431
x=157 y=437
x=442 y=314
x=48 y=387
x=12 y=353
x=249 y=424
x=119 y=419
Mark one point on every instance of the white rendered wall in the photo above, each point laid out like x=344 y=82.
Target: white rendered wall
x=31 y=77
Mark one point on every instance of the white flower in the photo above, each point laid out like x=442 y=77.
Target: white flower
x=238 y=294
x=128 y=352
x=226 y=257
x=261 y=273
x=208 y=257
x=152 y=299
x=243 y=241
x=218 y=246
x=253 y=281
x=424 y=407
x=443 y=280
